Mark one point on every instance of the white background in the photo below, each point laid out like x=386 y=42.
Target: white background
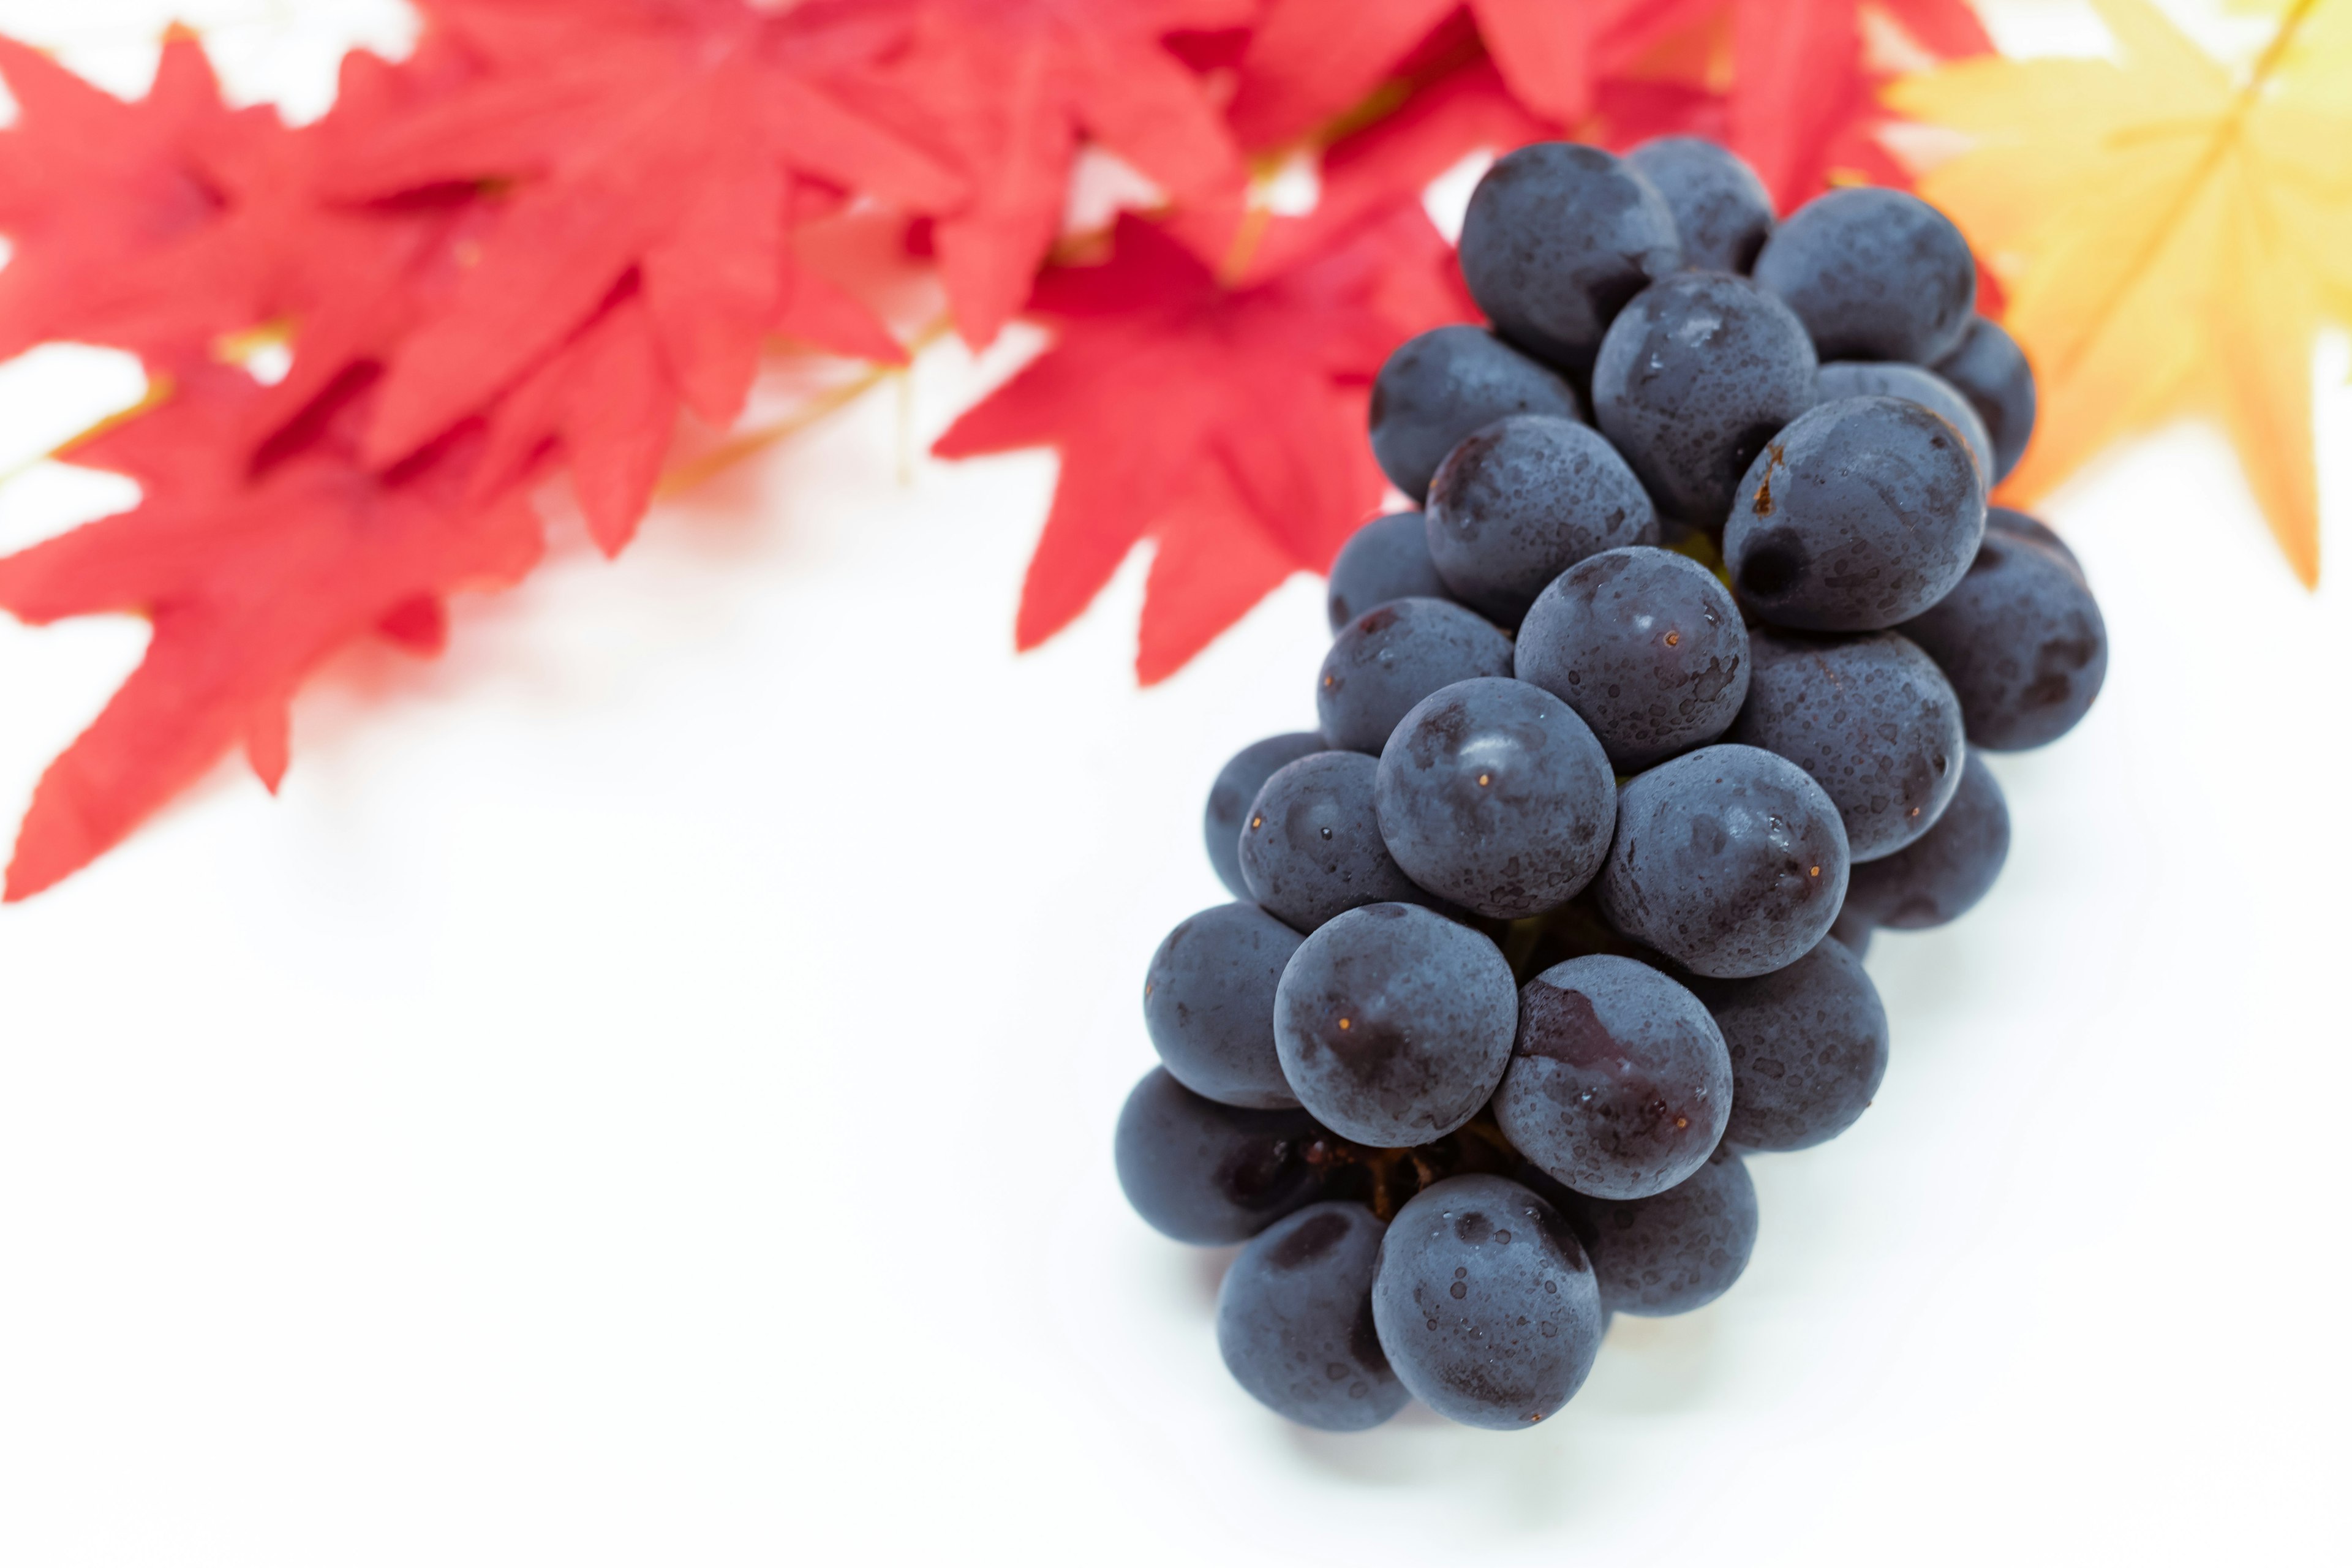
x=642 y=1093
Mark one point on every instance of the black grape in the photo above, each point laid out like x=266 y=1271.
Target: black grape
x=1807 y=1046
x=1729 y=860
x=1237 y=784
x=2023 y=641
x=1722 y=211
x=1208 y=1003
x=1386 y=559
x=1294 y=1321
x=1394 y=1024
x=2033 y=531
x=1485 y=1304
x=1521 y=501
x=1676 y=1251
x=1209 y=1173
x=1990 y=370
x=1873 y=274
x=1858 y=516
x=1619 y=1083
x=1694 y=377
x=1873 y=720
x=1311 y=843
x=1868 y=378
x=1558 y=237
x=1390 y=658
x=1940 y=878
x=1645 y=645
x=1438 y=387
x=1493 y=795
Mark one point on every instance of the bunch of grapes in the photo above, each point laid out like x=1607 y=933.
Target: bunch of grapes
x=1672 y=692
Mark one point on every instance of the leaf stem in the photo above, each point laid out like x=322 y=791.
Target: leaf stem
x=749 y=443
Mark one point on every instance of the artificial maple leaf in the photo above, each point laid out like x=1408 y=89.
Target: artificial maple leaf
x=1225 y=425
x=2172 y=236
x=1803 y=103
x=1311 y=62
x=1006 y=88
x=640 y=138
x=112 y=216
x=250 y=582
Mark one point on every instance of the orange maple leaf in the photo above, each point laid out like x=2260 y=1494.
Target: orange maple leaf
x=2172 y=236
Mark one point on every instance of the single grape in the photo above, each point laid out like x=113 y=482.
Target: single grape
x=1990 y=370
x=1521 y=501
x=1694 y=377
x=2023 y=641
x=1208 y=1005
x=1873 y=274
x=1871 y=718
x=1311 y=843
x=1485 y=1304
x=1558 y=237
x=1888 y=378
x=1294 y=1321
x=1858 y=516
x=1209 y=1173
x=1940 y=878
x=1618 y=1084
x=2033 y=531
x=1729 y=860
x=1645 y=645
x=1237 y=784
x=1393 y=1024
x=1807 y=1046
x=1385 y=560
x=1676 y=1250
x=1722 y=212
x=1391 y=658
x=1493 y=795
x=1438 y=387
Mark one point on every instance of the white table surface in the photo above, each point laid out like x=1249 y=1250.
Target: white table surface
x=642 y=1093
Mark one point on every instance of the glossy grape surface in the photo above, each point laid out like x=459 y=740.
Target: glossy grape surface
x=1873 y=274
x=1438 y=387
x=1208 y=1173
x=1646 y=645
x=1521 y=501
x=1294 y=1321
x=1557 y=236
x=1494 y=795
x=1858 y=516
x=1873 y=720
x=1385 y=560
x=1485 y=1303
x=1389 y=658
x=1208 y=1005
x=1619 y=1083
x=1729 y=860
x=1311 y=842
x=1393 y=1024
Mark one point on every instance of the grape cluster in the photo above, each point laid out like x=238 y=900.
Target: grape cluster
x=1675 y=689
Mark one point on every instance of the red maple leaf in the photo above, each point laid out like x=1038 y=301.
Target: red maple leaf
x=250 y=582
x=1312 y=62
x=1803 y=103
x=1225 y=426
x=638 y=143
x=1006 y=88
x=112 y=215
x=1788 y=84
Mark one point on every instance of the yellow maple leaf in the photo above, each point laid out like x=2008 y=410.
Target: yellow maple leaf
x=2172 y=236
